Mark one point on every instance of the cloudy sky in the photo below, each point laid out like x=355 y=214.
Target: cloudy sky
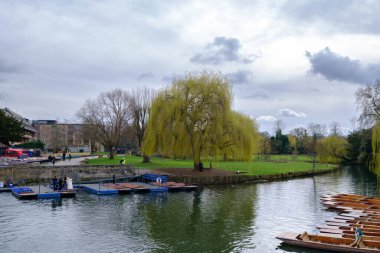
x=299 y=61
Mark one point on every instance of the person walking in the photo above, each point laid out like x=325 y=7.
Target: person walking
x=358 y=243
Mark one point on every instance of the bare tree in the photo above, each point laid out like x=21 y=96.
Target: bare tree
x=108 y=116
x=265 y=145
x=319 y=130
x=368 y=100
x=301 y=136
x=299 y=132
x=335 y=129
x=141 y=101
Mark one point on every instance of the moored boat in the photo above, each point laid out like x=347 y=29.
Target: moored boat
x=329 y=243
x=24 y=193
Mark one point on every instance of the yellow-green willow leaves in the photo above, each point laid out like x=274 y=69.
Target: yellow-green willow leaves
x=375 y=166
x=331 y=149
x=193 y=118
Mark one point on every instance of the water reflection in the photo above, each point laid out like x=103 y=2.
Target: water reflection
x=209 y=220
x=56 y=202
x=214 y=219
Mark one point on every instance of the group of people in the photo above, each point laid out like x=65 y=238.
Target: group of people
x=51 y=159
x=68 y=155
x=59 y=184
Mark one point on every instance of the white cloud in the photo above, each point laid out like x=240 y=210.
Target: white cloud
x=268 y=118
x=290 y=113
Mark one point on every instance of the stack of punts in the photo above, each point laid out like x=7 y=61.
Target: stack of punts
x=338 y=233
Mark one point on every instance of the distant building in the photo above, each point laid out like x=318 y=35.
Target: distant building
x=61 y=136
x=30 y=132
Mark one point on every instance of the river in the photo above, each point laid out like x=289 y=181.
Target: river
x=241 y=218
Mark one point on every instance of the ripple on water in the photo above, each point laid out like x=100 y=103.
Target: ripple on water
x=215 y=219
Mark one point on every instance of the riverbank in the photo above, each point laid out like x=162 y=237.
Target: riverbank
x=29 y=174
x=215 y=177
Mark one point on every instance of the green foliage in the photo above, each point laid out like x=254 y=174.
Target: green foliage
x=332 y=149
x=11 y=130
x=360 y=146
x=33 y=144
x=193 y=118
x=375 y=166
x=280 y=143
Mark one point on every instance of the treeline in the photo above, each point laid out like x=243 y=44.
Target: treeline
x=327 y=145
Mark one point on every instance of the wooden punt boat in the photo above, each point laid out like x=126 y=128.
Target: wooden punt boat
x=344 y=196
x=365 y=218
x=357 y=198
x=358 y=205
x=134 y=187
x=332 y=224
x=329 y=243
x=351 y=196
x=174 y=186
x=350 y=232
x=353 y=222
x=335 y=229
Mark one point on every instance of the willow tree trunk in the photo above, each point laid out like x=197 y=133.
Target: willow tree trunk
x=112 y=153
x=146 y=159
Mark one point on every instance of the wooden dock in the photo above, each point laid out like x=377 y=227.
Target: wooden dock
x=45 y=192
x=121 y=188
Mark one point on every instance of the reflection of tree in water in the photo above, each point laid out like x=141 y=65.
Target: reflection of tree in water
x=210 y=221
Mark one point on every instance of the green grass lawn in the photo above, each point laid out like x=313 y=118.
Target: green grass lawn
x=256 y=167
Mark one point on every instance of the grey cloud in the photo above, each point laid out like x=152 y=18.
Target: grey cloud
x=290 y=113
x=9 y=68
x=169 y=78
x=146 y=75
x=259 y=94
x=221 y=50
x=3 y=95
x=241 y=77
x=333 y=66
x=334 y=15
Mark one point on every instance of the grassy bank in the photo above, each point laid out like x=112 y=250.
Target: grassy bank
x=275 y=165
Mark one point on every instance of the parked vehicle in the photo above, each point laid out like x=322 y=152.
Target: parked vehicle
x=15 y=152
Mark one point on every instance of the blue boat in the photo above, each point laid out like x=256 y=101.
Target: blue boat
x=24 y=193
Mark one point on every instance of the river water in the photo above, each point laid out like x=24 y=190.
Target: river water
x=241 y=218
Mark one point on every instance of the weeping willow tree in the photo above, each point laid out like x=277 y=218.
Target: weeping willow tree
x=368 y=101
x=375 y=164
x=332 y=149
x=193 y=118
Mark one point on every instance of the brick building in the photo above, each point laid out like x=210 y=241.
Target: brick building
x=60 y=136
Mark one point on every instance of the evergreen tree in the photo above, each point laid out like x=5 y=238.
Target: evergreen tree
x=11 y=130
